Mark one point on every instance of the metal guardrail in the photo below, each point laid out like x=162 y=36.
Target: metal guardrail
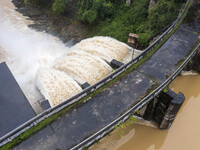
x=49 y=112
x=101 y=133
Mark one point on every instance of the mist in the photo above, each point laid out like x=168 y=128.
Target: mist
x=25 y=50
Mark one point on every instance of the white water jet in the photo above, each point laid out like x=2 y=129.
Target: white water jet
x=83 y=67
x=55 y=85
x=105 y=47
x=25 y=50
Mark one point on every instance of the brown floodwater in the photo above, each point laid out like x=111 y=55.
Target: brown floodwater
x=184 y=133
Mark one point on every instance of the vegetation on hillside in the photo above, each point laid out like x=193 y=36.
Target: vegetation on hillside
x=115 y=18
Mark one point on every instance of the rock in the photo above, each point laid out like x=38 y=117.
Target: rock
x=128 y=2
x=29 y=11
x=151 y=4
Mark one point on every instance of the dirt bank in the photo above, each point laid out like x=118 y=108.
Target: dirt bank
x=67 y=29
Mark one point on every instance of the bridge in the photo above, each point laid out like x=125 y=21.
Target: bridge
x=91 y=114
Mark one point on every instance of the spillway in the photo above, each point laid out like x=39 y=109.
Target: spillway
x=106 y=48
x=25 y=51
x=84 y=62
x=55 y=85
x=83 y=67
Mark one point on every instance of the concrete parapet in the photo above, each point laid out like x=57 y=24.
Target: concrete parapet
x=133 y=40
x=116 y=64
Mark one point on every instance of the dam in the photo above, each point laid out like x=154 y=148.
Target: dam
x=47 y=69
x=108 y=105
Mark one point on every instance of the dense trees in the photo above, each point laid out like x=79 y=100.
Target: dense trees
x=116 y=19
x=137 y=19
x=59 y=6
x=91 y=10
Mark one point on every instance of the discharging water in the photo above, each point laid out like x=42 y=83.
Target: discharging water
x=105 y=47
x=58 y=84
x=83 y=67
x=184 y=133
x=25 y=51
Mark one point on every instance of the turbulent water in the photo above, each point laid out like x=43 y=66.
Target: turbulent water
x=58 y=84
x=105 y=47
x=25 y=51
x=83 y=67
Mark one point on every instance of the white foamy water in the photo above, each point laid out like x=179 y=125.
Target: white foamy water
x=56 y=85
x=83 y=67
x=106 y=48
x=25 y=50
x=191 y=72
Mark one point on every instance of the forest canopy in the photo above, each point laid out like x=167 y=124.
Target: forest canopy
x=115 y=18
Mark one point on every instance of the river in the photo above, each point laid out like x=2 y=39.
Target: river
x=184 y=133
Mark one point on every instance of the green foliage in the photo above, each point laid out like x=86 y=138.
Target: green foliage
x=163 y=13
x=108 y=9
x=37 y=3
x=95 y=10
x=133 y=119
x=144 y=39
x=166 y=89
x=59 y=6
x=114 y=18
x=136 y=19
x=89 y=16
x=138 y=112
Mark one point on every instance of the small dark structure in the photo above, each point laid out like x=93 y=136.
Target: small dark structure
x=116 y=64
x=14 y=107
x=45 y=104
x=85 y=85
x=133 y=40
x=164 y=108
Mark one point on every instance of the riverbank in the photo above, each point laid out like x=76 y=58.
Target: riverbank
x=65 y=28
x=115 y=19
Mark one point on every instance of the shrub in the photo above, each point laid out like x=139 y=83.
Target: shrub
x=108 y=9
x=59 y=6
x=143 y=39
x=89 y=16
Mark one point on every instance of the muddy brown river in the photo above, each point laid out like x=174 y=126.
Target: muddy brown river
x=184 y=133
